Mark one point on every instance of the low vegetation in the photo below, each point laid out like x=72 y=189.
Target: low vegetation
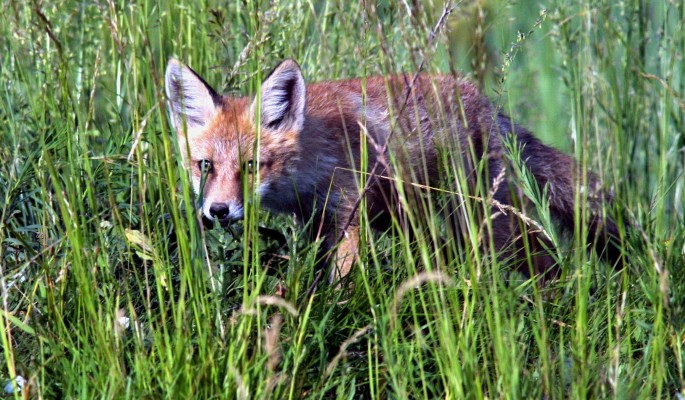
x=111 y=287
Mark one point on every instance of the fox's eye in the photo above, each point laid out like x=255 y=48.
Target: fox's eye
x=205 y=166
x=249 y=166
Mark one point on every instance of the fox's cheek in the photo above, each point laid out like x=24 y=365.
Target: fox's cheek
x=266 y=169
x=263 y=188
x=196 y=185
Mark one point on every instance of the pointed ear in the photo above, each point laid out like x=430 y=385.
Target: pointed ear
x=191 y=100
x=283 y=98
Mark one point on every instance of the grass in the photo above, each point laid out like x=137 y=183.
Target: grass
x=110 y=288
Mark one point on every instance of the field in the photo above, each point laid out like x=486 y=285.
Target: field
x=111 y=287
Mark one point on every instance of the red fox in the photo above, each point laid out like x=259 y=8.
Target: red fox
x=310 y=145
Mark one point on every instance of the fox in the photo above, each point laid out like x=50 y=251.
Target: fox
x=314 y=139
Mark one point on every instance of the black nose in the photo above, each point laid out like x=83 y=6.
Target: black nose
x=219 y=211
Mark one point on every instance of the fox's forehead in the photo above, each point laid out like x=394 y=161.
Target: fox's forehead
x=228 y=136
x=233 y=121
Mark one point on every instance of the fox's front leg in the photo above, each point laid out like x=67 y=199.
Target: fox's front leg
x=346 y=254
x=338 y=252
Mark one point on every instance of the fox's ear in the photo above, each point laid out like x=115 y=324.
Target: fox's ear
x=191 y=100
x=283 y=98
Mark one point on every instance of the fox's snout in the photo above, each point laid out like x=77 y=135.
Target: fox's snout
x=219 y=211
x=223 y=213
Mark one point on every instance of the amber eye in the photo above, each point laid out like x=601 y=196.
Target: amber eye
x=205 y=166
x=249 y=166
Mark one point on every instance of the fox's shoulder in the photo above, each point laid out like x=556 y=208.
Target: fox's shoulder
x=379 y=87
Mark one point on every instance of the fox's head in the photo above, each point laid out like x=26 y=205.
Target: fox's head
x=217 y=136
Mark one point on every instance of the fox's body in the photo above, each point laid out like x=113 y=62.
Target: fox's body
x=310 y=150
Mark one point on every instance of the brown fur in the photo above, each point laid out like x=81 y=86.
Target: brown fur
x=307 y=162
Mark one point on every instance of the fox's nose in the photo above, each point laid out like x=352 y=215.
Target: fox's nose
x=219 y=211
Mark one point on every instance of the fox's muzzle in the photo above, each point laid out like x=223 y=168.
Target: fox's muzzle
x=223 y=213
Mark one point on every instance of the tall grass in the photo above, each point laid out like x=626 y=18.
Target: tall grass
x=111 y=288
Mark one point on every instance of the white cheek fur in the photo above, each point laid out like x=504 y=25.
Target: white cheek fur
x=236 y=211
x=263 y=189
x=196 y=185
x=205 y=210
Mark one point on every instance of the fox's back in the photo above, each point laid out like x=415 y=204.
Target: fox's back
x=305 y=143
x=424 y=113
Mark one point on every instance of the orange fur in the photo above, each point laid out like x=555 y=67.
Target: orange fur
x=310 y=141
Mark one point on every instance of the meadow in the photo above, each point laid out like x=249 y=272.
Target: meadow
x=112 y=288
